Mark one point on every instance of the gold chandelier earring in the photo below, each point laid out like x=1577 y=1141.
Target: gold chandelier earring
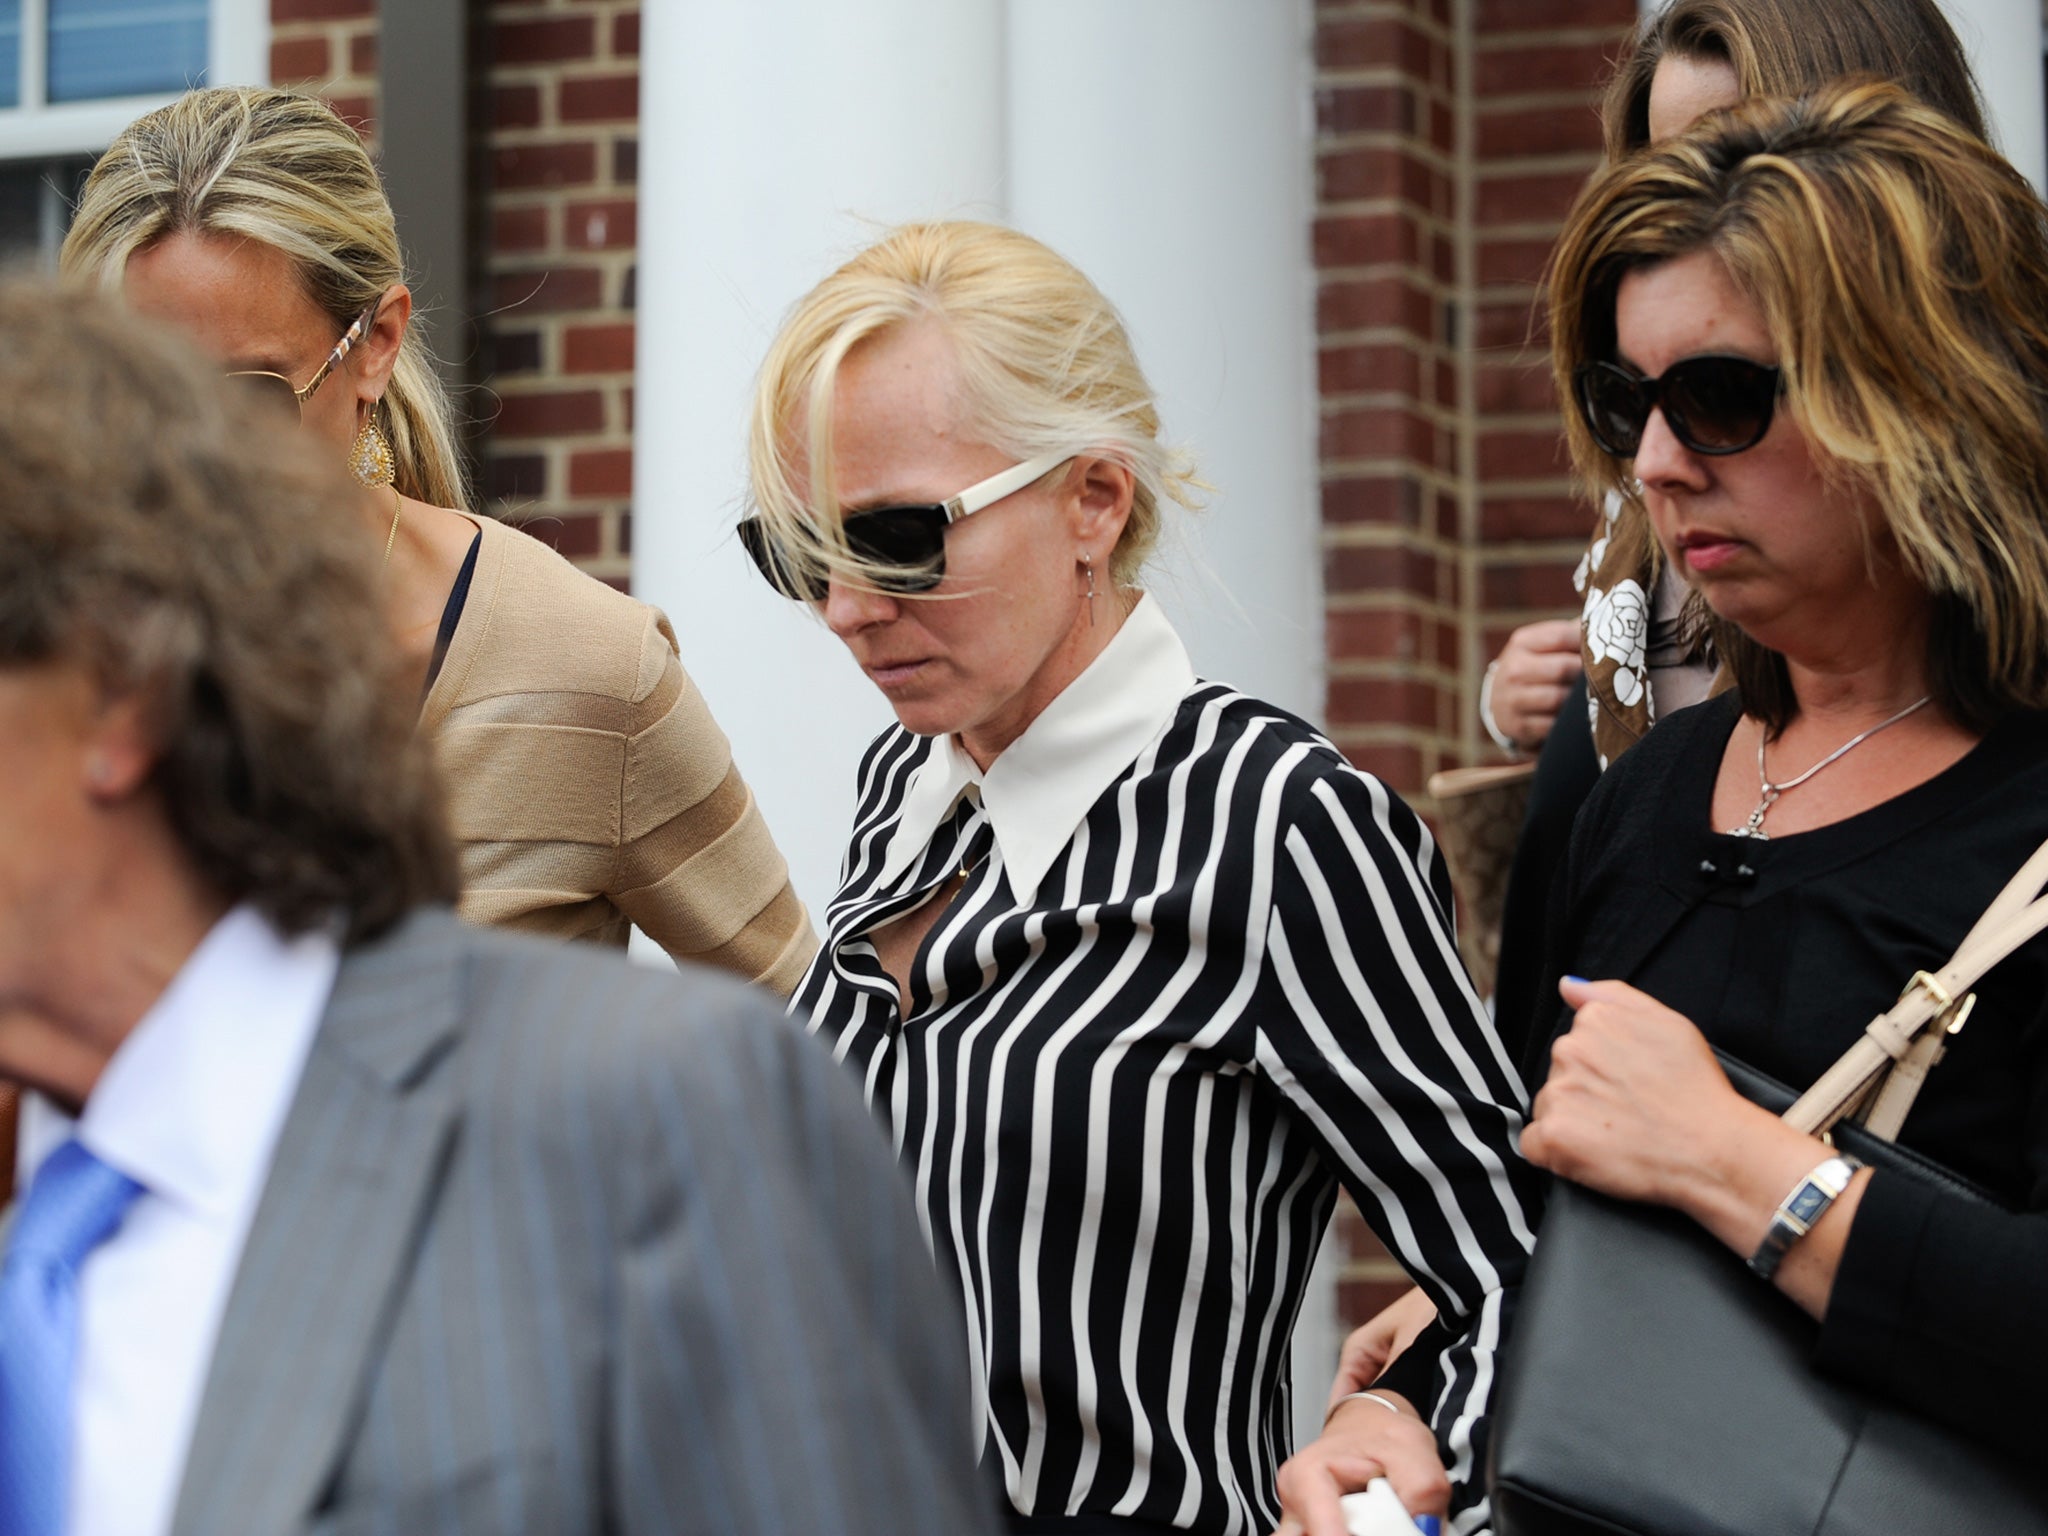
x=370 y=459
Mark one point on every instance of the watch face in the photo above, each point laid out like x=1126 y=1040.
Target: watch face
x=1808 y=1203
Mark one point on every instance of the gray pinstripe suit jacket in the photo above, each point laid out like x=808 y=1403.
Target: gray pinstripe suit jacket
x=553 y=1244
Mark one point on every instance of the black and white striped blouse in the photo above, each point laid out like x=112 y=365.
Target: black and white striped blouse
x=1202 y=973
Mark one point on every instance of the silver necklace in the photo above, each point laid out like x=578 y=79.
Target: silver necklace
x=1769 y=793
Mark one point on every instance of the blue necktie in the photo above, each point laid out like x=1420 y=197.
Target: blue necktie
x=74 y=1205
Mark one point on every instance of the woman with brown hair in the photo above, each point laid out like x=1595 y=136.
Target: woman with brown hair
x=1807 y=339
x=589 y=788
x=1691 y=57
x=1814 y=335
x=1641 y=644
x=1695 y=56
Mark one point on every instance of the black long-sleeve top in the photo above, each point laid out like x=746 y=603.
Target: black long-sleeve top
x=1781 y=952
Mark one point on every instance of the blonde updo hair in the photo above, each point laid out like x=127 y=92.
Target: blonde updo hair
x=1046 y=364
x=284 y=170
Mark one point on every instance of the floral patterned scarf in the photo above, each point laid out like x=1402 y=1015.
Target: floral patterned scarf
x=1616 y=624
x=1618 y=580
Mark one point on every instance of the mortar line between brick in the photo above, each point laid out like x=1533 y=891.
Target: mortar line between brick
x=1471 y=639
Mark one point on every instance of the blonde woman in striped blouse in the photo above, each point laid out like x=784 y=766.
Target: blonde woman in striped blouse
x=1138 y=970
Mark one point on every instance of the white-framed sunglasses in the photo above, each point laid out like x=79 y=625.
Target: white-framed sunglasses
x=905 y=546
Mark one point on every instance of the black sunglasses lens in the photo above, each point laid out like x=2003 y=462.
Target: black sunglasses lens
x=1615 y=405
x=788 y=574
x=906 y=545
x=1720 y=404
x=270 y=393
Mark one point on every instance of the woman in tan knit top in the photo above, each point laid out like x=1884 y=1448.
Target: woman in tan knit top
x=588 y=785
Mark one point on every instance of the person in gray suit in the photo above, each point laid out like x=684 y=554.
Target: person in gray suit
x=336 y=1215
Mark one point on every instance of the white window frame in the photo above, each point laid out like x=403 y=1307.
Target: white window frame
x=238 y=53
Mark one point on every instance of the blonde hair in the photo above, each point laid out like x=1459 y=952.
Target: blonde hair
x=1044 y=358
x=1901 y=269
x=284 y=170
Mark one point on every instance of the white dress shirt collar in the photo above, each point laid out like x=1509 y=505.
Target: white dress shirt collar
x=190 y=1102
x=1040 y=788
x=190 y=1107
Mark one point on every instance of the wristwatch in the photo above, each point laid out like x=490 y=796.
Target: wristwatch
x=1798 y=1211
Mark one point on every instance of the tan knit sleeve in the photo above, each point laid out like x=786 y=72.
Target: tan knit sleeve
x=697 y=869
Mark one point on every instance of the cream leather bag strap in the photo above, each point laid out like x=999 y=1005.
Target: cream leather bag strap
x=1878 y=1077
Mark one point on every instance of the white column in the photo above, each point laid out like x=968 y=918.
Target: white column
x=777 y=137
x=238 y=46
x=2003 y=40
x=1171 y=157
x=1164 y=145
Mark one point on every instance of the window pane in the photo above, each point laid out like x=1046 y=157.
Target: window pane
x=36 y=199
x=21 y=211
x=10 y=53
x=125 y=47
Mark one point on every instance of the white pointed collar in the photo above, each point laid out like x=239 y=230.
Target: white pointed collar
x=1042 y=785
x=191 y=1103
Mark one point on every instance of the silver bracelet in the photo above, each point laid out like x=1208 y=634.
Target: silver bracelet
x=1798 y=1211
x=1385 y=1402
x=1500 y=737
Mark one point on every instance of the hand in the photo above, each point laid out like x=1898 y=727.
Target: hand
x=1531 y=678
x=1635 y=1106
x=1362 y=1441
x=1372 y=1344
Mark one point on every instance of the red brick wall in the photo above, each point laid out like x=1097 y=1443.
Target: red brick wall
x=1536 y=137
x=562 y=151
x=330 y=46
x=1387 y=289
x=1451 y=138
x=560 y=146
x=1386 y=250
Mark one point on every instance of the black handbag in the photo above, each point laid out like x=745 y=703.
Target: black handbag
x=1655 y=1387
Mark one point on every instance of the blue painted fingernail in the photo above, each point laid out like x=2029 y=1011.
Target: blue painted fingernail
x=1577 y=981
x=1429 y=1525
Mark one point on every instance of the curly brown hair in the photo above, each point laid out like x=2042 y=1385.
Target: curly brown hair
x=192 y=555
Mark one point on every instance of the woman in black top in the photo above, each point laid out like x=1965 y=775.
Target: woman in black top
x=1688 y=57
x=1809 y=337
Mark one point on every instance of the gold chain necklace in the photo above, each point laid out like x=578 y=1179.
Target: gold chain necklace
x=1770 y=793
x=391 y=538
